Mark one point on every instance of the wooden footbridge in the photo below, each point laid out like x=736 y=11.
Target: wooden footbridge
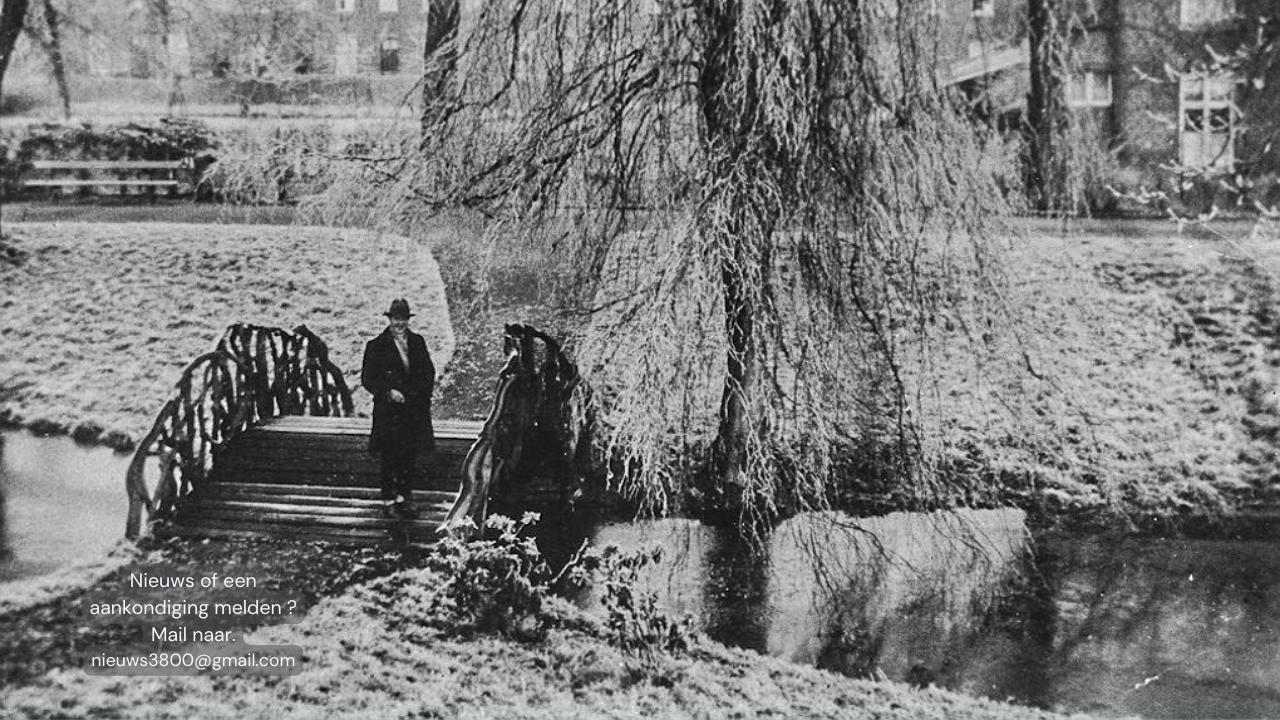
x=259 y=438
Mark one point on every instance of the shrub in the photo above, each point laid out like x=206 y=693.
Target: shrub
x=166 y=139
x=19 y=102
x=270 y=168
x=501 y=584
x=634 y=620
x=496 y=584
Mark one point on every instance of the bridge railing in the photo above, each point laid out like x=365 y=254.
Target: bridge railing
x=254 y=374
x=540 y=404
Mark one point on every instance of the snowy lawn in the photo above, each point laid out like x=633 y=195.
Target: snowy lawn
x=100 y=319
x=370 y=652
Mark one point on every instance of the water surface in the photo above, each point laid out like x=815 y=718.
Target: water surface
x=1110 y=627
x=59 y=503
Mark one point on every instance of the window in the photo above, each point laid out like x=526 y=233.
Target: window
x=346 y=6
x=1206 y=132
x=389 y=56
x=347 y=57
x=179 y=48
x=388 y=6
x=1089 y=89
x=1202 y=12
x=984 y=8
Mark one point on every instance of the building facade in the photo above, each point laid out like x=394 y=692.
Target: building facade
x=1163 y=83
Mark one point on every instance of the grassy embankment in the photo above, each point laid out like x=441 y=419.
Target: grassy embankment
x=100 y=319
x=1160 y=366
x=373 y=648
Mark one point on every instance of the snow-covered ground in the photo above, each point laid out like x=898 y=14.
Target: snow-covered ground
x=100 y=319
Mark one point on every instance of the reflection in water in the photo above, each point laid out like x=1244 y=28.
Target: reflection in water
x=853 y=595
x=1164 y=628
x=61 y=503
x=891 y=594
x=1139 y=627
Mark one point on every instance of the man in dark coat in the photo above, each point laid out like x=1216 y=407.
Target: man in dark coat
x=398 y=371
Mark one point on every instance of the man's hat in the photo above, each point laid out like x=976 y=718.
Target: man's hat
x=399 y=308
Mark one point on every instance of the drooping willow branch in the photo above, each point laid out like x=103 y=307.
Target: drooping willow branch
x=774 y=209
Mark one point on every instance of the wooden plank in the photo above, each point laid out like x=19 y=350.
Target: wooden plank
x=448 y=483
x=355 y=425
x=348 y=536
x=105 y=182
x=311 y=495
x=319 y=512
x=359 y=464
x=231 y=463
x=338 y=443
x=372 y=521
x=109 y=164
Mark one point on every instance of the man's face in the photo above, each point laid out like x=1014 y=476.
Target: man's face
x=399 y=324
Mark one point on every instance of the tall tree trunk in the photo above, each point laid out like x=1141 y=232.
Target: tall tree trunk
x=739 y=382
x=1045 y=181
x=13 y=13
x=439 y=56
x=1118 y=41
x=732 y=120
x=54 y=49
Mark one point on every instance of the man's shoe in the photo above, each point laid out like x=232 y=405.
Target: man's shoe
x=407 y=510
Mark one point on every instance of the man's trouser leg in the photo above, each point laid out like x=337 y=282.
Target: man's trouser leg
x=387 y=474
x=405 y=471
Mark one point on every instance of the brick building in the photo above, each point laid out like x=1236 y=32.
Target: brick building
x=1162 y=82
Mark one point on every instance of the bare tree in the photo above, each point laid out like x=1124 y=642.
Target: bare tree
x=49 y=36
x=767 y=211
x=1047 y=118
x=13 y=15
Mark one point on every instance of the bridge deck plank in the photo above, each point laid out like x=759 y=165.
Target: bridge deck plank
x=311 y=477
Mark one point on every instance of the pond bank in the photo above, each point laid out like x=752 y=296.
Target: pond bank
x=369 y=652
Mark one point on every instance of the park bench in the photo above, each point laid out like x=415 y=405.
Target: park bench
x=147 y=176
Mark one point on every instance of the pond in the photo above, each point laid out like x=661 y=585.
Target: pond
x=1109 y=627
x=60 y=503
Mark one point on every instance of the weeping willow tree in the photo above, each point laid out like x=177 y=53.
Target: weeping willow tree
x=767 y=213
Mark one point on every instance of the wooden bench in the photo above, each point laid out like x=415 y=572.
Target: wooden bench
x=122 y=175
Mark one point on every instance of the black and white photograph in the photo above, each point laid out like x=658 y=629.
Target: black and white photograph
x=639 y=359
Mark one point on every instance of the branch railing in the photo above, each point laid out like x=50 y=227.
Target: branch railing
x=255 y=373
x=535 y=393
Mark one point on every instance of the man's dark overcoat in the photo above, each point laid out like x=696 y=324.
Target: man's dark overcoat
x=399 y=424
